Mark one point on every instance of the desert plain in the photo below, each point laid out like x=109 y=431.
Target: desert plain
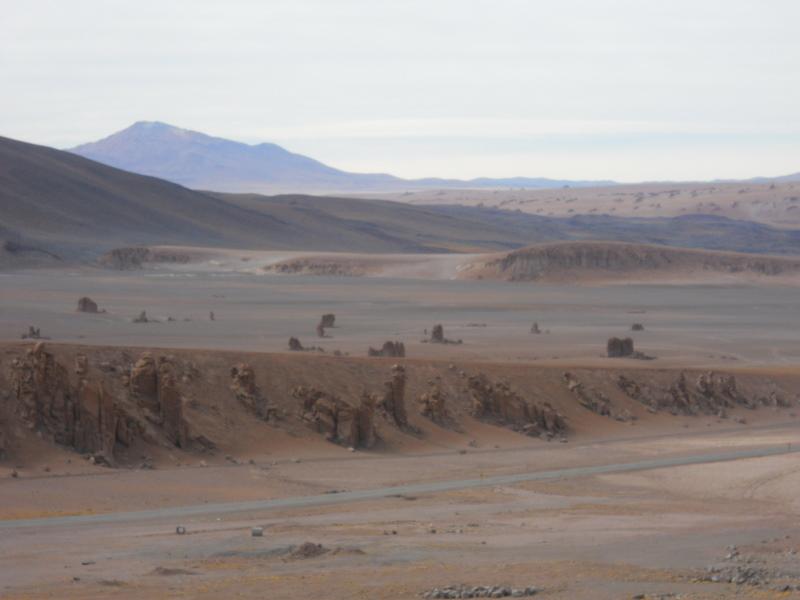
x=523 y=463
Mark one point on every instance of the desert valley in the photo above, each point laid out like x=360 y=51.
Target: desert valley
x=413 y=300
x=376 y=398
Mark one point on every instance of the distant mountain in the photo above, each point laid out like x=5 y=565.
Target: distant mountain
x=200 y=161
x=55 y=202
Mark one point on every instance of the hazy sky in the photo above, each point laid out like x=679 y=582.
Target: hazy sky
x=621 y=89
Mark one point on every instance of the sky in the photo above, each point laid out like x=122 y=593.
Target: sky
x=630 y=90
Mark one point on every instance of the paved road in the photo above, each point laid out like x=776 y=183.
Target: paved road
x=228 y=508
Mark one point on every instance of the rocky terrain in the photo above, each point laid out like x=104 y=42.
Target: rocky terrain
x=614 y=261
x=106 y=402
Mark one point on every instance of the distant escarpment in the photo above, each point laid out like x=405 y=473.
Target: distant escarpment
x=609 y=261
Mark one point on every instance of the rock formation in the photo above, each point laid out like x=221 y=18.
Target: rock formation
x=618 y=347
x=153 y=387
x=125 y=259
x=392 y=402
x=144 y=382
x=337 y=420
x=433 y=405
x=711 y=394
x=593 y=400
x=87 y=305
x=33 y=334
x=83 y=417
x=243 y=385
x=170 y=403
x=389 y=349
x=437 y=336
x=498 y=404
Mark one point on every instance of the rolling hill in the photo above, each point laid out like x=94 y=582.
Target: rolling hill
x=57 y=206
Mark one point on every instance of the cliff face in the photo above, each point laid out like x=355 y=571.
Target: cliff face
x=612 y=260
x=117 y=405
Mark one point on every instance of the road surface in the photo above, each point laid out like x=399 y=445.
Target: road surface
x=229 y=508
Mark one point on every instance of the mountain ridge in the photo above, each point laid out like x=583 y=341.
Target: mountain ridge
x=200 y=161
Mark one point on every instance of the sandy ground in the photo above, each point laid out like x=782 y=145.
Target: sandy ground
x=608 y=536
x=700 y=325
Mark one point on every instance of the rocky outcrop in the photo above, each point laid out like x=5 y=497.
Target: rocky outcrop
x=498 y=404
x=610 y=261
x=34 y=333
x=433 y=406
x=170 y=404
x=144 y=382
x=437 y=336
x=710 y=394
x=619 y=347
x=83 y=417
x=296 y=346
x=133 y=258
x=392 y=402
x=153 y=387
x=337 y=420
x=389 y=349
x=87 y=305
x=243 y=385
x=593 y=400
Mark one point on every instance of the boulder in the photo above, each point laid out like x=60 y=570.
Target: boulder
x=87 y=305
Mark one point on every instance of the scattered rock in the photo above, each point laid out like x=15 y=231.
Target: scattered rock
x=308 y=550
x=488 y=591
